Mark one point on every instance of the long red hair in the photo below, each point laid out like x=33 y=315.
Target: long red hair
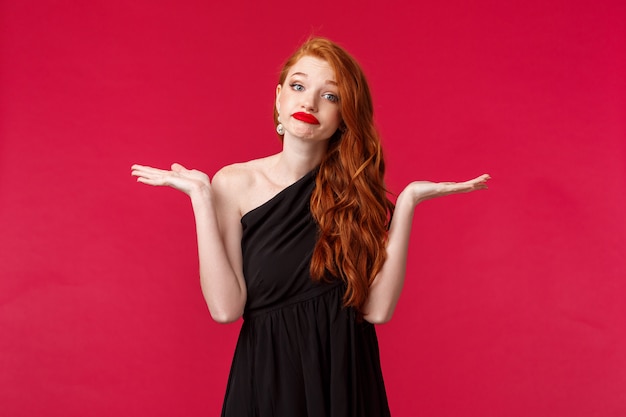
x=349 y=202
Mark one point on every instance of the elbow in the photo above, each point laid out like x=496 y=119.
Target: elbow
x=378 y=317
x=224 y=309
x=225 y=317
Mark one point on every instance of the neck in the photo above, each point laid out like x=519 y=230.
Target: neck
x=299 y=157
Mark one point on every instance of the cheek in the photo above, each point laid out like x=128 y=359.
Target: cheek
x=338 y=118
x=283 y=100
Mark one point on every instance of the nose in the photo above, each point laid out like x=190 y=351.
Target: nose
x=309 y=101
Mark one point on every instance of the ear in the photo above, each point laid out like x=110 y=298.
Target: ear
x=278 y=89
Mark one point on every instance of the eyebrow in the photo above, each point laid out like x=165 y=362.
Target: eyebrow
x=306 y=76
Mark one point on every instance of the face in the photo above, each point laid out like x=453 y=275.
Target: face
x=308 y=100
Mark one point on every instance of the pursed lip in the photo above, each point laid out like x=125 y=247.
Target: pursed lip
x=306 y=117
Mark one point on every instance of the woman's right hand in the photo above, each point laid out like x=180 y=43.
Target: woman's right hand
x=186 y=180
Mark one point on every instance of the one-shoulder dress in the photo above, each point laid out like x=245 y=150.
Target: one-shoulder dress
x=300 y=353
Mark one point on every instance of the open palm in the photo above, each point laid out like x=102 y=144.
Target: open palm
x=179 y=177
x=426 y=190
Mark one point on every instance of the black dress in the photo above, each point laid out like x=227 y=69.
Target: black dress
x=300 y=353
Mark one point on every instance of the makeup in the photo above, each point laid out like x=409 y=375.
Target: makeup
x=306 y=117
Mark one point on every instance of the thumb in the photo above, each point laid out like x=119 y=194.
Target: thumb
x=176 y=167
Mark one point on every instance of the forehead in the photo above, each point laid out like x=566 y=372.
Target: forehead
x=313 y=67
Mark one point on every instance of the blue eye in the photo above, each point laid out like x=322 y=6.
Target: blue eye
x=296 y=86
x=331 y=97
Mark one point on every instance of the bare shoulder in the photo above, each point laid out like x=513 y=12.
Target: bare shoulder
x=242 y=184
x=232 y=177
x=241 y=176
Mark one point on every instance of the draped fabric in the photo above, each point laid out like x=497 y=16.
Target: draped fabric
x=300 y=353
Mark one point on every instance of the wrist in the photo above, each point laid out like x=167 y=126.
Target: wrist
x=200 y=193
x=419 y=191
x=408 y=198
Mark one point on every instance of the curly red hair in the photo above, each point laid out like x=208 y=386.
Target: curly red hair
x=349 y=202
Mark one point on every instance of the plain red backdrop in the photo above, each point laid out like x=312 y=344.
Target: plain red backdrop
x=515 y=299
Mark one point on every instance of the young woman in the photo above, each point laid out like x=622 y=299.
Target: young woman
x=304 y=246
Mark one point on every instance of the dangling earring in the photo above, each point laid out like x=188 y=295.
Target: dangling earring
x=280 y=129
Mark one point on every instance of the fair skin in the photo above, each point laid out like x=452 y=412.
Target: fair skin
x=310 y=88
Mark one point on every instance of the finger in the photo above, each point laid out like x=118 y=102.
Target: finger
x=481 y=180
x=149 y=181
x=138 y=173
x=480 y=186
x=483 y=177
x=176 y=167
x=137 y=167
x=147 y=171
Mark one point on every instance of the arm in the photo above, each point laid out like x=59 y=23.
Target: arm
x=387 y=286
x=218 y=232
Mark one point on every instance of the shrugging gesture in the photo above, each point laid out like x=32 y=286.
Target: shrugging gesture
x=325 y=255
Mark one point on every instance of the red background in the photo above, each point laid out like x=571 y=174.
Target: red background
x=515 y=299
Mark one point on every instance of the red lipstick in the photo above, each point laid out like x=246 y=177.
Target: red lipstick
x=306 y=118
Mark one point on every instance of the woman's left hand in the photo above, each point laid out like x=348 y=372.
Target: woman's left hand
x=425 y=190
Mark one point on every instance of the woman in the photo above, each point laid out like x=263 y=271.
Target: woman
x=301 y=245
